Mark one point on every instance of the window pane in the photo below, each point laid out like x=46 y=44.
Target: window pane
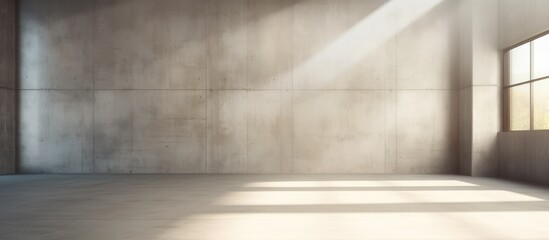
x=519 y=108
x=519 y=59
x=541 y=104
x=541 y=57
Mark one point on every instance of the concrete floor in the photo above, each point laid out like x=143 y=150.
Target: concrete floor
x=270 y=207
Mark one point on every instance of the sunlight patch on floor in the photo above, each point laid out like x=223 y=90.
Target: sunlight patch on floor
x=311 y=184
x=443 y=225
x=272 y=198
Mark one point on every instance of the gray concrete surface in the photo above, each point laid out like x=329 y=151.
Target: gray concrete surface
x=520 y=20
x=7 y=86
x=234 y=86
x=480 y=91
x=7 y=131
x=523 y=155
x=166 y=206
x=7 y=44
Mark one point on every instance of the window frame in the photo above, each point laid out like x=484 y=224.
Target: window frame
x=505 y=80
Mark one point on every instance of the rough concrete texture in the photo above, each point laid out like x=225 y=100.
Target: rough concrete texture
x=7 y=131
x=7 y=44
x=56 y=132
x=270 y=206
x=7 y=85
x=523 y=155
x=234 y=86
x=149 y=131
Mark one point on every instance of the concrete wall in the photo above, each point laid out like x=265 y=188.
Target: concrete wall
x=7 y=85
x=523 y=155
x=282 y=86
x=521 y=19
x=480 y=90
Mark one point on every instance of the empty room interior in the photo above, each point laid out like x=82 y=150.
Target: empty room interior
x=274 y=119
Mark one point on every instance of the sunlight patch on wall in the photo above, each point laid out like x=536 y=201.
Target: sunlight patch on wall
x=360 y=40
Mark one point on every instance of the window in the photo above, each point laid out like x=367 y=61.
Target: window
x=526 y=85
